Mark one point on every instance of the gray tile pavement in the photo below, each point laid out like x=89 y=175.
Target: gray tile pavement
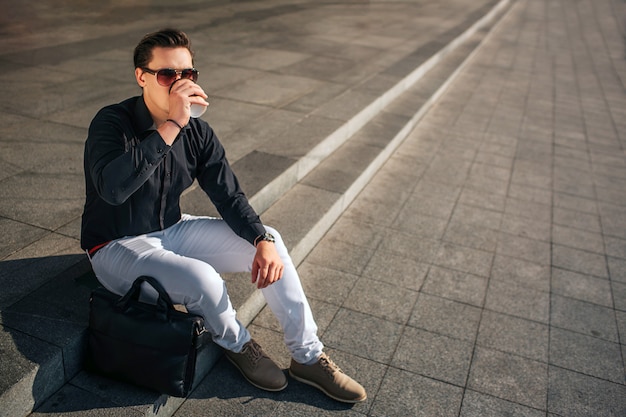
x=66 y=75
x=485 y=275
x=481 y=272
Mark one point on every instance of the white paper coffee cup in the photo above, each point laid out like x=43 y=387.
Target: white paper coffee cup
x=197 y=110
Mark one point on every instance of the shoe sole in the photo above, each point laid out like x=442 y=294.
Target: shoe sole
x=254 y=383
x=319 y=387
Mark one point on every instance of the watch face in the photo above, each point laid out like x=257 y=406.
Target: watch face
x=267 y=237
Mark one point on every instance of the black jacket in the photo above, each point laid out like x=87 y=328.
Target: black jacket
x=134 y=181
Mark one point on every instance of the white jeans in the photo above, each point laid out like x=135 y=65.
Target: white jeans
x=187 y=259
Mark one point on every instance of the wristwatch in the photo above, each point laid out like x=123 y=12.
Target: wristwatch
x=264 y=237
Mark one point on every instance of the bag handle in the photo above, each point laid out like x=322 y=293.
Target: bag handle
x=164 y=302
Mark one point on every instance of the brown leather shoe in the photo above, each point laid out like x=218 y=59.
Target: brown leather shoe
x=258 y=368
x=331 y=380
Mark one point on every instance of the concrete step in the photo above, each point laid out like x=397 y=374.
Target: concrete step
x=301 y=199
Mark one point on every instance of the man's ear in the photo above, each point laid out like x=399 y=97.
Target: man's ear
x=139 y=76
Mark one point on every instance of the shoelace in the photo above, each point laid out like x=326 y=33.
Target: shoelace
x=254 y=353
x=329 y=366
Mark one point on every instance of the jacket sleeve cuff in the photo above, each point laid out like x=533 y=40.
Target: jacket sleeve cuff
x=252 y=231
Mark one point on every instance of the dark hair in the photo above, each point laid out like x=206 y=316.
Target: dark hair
x=164 y=38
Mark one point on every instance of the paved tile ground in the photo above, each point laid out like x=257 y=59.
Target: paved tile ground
x=275 y=69
x=483 y=271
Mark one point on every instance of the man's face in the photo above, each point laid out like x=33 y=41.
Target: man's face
x=156 y=95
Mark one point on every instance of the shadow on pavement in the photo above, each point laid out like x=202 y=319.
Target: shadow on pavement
x=44 y=325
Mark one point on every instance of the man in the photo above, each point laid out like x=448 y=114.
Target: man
x=140 y=155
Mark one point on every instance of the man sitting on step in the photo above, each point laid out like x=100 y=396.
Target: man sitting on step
x=140 y=155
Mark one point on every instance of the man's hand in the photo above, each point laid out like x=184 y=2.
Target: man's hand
x=267 y=267
x=184 y=93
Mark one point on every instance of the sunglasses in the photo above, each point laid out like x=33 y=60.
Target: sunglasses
x=167 y=76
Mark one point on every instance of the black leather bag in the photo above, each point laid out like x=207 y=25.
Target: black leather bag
x=152 y=345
